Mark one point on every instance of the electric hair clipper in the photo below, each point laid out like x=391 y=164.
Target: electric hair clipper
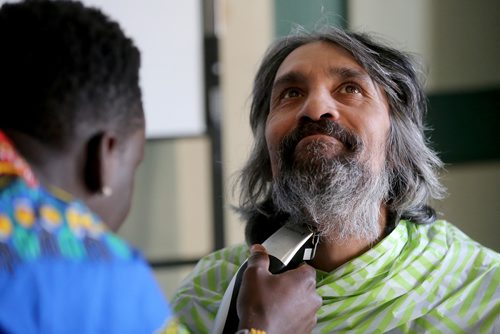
x=287 y=248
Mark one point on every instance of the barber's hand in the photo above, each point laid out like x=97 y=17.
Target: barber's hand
x=283 y=303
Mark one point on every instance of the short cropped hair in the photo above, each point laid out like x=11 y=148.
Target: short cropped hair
x=413 y=166
x=65 y=69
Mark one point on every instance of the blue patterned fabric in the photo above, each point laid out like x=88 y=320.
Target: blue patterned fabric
x=63 y=271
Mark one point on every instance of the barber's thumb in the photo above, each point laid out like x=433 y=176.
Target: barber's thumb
x=258 y=256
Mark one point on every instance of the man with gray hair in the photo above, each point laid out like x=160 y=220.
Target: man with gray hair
x=340 y=147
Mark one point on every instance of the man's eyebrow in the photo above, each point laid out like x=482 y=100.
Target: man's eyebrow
x=346 y=73
x=288 y=79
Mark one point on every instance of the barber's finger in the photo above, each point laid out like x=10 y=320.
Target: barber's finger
x=304 y=275
x=306 y=270
x=258 y=257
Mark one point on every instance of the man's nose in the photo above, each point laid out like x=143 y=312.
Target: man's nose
x=319 y=105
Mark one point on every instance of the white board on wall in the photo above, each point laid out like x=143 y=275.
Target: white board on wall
x=169 y=35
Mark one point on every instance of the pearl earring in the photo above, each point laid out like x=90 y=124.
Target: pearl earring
x=106 y=191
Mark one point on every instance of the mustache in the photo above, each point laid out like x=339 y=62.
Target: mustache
x=323 y=126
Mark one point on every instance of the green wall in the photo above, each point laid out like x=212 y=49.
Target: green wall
x=465 y=126
x=288 y=14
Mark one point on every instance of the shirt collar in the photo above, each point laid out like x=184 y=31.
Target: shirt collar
x=12 y=164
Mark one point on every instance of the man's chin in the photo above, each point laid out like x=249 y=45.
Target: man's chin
x=319 y=163
x=324 y=147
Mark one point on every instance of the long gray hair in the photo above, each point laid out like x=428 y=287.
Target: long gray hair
x=413 y=166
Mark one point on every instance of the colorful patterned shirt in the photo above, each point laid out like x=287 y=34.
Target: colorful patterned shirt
x=419 y=279
x=61 y=269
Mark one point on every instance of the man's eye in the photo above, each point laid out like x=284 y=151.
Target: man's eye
x=351 y=89
x=291 y=93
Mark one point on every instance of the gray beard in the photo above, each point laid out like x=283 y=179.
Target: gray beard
x=339 y=198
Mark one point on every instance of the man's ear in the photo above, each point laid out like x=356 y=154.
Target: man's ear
x=100 y=154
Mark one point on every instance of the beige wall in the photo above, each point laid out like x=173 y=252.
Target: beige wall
x=246 y=33
x=473 y=201
x=171 y=212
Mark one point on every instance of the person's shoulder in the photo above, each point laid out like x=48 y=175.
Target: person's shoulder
x=475 y=265
x=46 y=240
x=221 y=264
x=445 y=236
x=37 y=224
x=440 y=231
x=233 y=255
x=452 y=256
x=45 y=258
x=456 y=235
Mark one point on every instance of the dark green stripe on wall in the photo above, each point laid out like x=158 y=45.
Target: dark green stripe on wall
x=465 y=125
x=288 y=14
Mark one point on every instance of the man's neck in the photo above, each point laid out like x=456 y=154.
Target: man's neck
x=50 y=166
x=332 y=254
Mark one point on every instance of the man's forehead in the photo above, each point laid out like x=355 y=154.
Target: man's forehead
x=320 y=54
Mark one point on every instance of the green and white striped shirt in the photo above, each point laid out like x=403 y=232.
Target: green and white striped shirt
x=419 y=279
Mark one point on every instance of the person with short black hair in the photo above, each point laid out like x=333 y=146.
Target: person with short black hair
x=72 y=135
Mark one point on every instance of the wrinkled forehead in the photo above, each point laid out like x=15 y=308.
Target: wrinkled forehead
x=318 y=55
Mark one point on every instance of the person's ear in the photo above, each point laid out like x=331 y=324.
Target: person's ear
x=100 y=160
